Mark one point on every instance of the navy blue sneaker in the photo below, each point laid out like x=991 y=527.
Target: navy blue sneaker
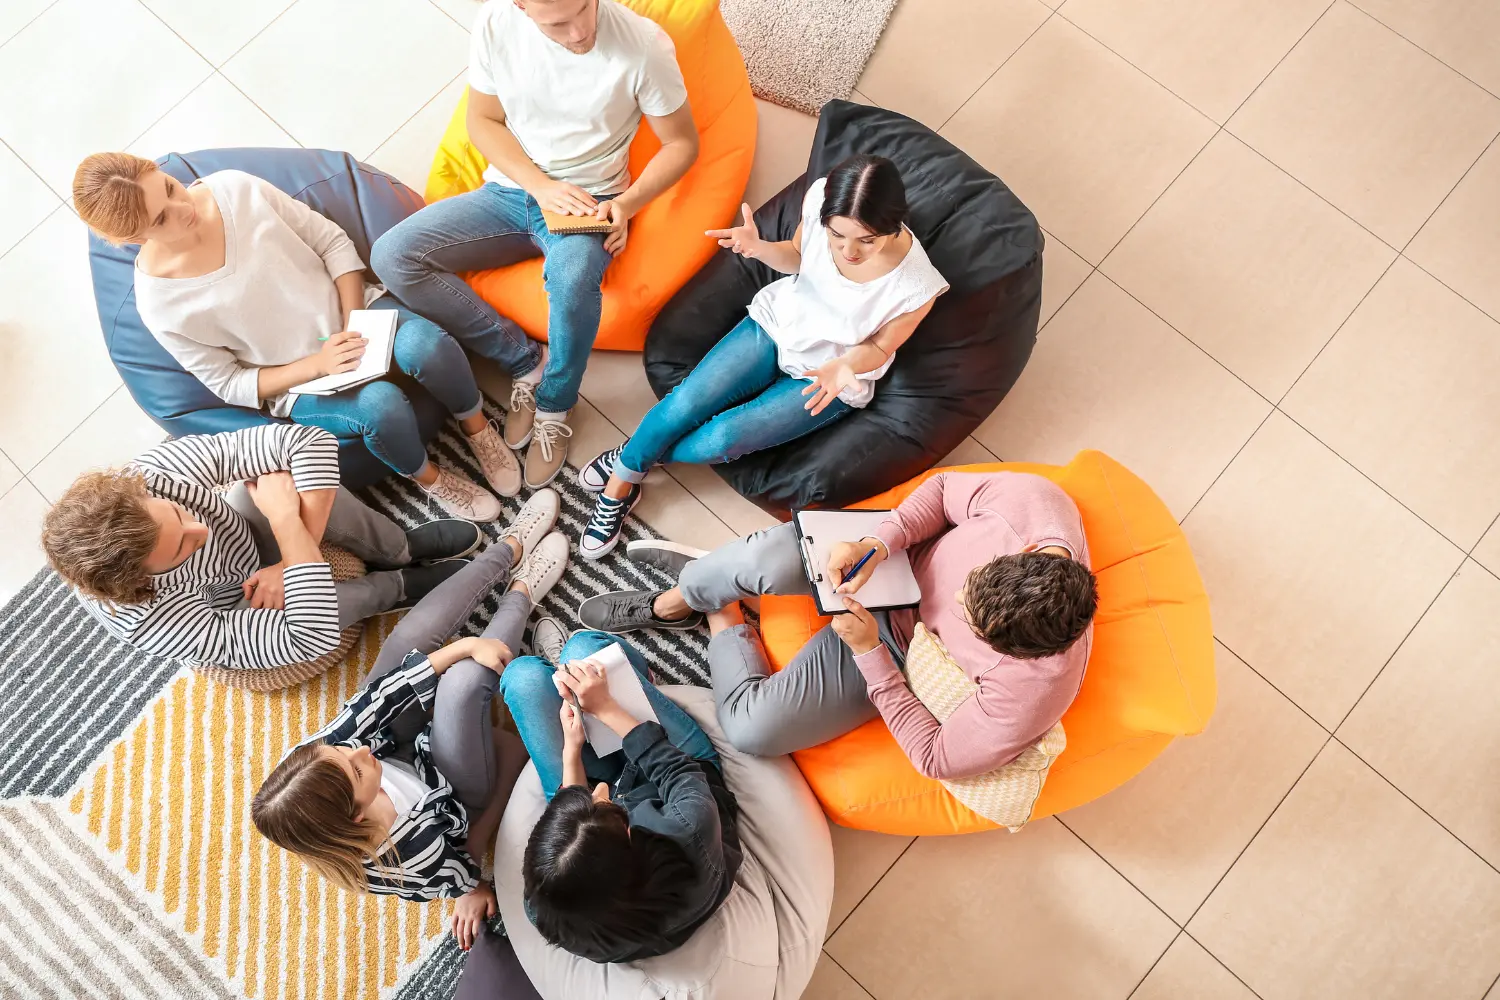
x=595 y=476
x=603 y=533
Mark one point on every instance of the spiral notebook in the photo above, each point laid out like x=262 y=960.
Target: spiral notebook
x=565 y=224
x=818 y=531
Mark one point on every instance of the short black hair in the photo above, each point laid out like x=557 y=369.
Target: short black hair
x=869 y=190
x=595 y=886
x=1031 y=604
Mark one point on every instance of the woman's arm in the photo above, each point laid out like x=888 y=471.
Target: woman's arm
x=351 y=288
x=340 y=353
x=862 y=359
x=784 y=256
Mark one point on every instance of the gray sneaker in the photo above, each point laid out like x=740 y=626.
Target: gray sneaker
x=669 y=557
x=628 y=610
x=548 y=636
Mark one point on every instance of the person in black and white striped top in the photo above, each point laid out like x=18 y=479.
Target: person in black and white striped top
x=171 y=563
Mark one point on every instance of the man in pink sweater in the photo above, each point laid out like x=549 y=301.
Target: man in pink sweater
x=1003 y=568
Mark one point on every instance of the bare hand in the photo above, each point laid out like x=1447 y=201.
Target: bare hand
x=341 y=352
x=844 y=556
x=565 y=199
x=490 y=653
x=586 y=680
x=743 y=239
x=266 y=588
x=572 y=725
x=469 y=914
x=829 y=380
x=275 y=494
x=858 y=628
x=618 y=216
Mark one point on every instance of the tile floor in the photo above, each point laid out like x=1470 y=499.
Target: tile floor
x=1273 y=285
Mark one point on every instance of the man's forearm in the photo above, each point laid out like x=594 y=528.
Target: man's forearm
x=665 y=169
x=295 y=541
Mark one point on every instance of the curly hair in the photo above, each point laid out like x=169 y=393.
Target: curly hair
x=1030 y=604
x=99 y=535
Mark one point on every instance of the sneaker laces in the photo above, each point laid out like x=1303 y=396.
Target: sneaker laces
x=609 y=514
x=538 y=564
x=489 y=447
x=522 y=395
x=454 y=490
x=547 y=434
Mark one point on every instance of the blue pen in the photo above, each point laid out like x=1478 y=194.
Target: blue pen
x=857 y=567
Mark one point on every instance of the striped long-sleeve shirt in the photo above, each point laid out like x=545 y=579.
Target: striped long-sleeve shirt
x=429 y=838
x=195 y=614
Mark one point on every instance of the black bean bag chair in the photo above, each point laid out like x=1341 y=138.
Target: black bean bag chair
x=953 y=371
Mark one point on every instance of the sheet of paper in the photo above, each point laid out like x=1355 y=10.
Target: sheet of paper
x=625 y=684
x=892 y=585
x=378 y=327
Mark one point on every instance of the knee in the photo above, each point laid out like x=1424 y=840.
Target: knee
x=385 y=407
x=421 y=343
x=575 y=266
x=466 y=682
x=524 y=679
x=748 y=734
x=585 y=644
x=394 y=255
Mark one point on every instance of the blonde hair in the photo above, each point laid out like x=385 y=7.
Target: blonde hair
x=107 y=193
x=306 y=806
x=99 y=535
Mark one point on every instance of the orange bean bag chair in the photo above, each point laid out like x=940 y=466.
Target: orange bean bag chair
x=1150 y=676
x=667 y=245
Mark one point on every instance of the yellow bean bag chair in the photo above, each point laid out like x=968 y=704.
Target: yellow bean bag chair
x=667 y=245
x=1150 y=676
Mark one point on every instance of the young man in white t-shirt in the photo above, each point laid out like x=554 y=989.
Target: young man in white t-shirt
x=557 y=90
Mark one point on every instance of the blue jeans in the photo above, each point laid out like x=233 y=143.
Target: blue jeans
x=736 y=401
x=419 y=258
x=379 y=411
x=534 y=704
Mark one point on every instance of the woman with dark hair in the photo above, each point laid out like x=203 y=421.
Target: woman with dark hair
x=637 y=848
x=810 y=350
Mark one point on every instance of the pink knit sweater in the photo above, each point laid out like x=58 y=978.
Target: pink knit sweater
x=950 y=524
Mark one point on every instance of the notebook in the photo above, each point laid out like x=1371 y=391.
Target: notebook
x=818 y=531
x=378 y=327
x=625 y=684
x=563 y=224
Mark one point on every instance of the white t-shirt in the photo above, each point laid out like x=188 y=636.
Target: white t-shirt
x=575 y=115
x=817 y=314
x=400 y=781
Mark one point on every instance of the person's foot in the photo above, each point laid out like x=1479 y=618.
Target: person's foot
x=658 y=553
x=628 y=610
x=461 y=498
x=544 y=566
x=419 y=581
x=444 y=538
x=548 y=636
x=548 y=449
x=595 y=476
x=533 y=521
x=603 y=532
x=520 y=415
x=498 y=463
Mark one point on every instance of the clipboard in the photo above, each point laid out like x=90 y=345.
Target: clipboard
x=893 y=584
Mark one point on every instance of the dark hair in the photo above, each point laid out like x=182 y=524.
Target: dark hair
x=1030 y=604
x=867 y=189
x=596 y=887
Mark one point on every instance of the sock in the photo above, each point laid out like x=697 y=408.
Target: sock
x=535 y=375
x=561 y=416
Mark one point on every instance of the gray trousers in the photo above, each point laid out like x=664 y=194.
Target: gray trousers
x=367 y=533
x=819 y=695
x=462 y=735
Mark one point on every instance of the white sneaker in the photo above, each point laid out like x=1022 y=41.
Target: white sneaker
x=541 y=570
x=461 y=498
x=497 y=462
x=533 y=521
x=548 y=636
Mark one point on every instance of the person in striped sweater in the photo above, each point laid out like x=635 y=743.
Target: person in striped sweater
x=206 y=548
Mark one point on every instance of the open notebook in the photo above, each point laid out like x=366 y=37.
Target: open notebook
x=625 y=685
x=818 y=531
x=378 y=327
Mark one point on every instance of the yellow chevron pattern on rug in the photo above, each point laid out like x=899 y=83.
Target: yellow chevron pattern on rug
x=169 y=805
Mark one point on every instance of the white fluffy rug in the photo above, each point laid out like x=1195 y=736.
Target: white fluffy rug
x=803 y=53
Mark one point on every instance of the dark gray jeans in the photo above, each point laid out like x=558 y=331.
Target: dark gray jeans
x=821 y=693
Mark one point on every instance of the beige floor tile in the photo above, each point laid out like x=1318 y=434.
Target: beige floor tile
x=1211 y=55
x=21 y=511
x=9 y=474
x=26 y=203
x=90 y=59
x=783 y=143
x=1487 y=552
x=953 y=62
x=1187 y=972
x=829 y=982
x=1465 y=34
x=1108 y=374
x=214 y=115
x=860 y=859
x=16 y=14
x=615 y=382
x=742 y=516
x=1062 y=272
x=1248 y=264
x=968 y=453
x=1176 y=828
x=53 y=367
x=1434 y=711
x=1315 y=575
x=361 y=102
x=1101 y=139
x=112 y=435
x=1494 y=993
x=1418 y=422
x=217 y=30
x=1350 y=891
x=408 y=154
x=1370 y=122
x=1461 y=242
x=1002 y=915
x=463 y=12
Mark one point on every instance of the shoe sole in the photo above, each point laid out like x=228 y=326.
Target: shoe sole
x=478 y=541
x=548 y=480
x=517 y=447
x=637 y=551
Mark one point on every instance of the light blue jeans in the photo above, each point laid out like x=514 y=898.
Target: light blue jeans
x=379 y=411
x=419 y=259
x=534 y=704
x=736 y=401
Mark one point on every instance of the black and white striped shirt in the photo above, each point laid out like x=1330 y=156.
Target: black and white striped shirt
x=195 y=614
x=429 y=838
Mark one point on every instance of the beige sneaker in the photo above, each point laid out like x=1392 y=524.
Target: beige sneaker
x=549 y=447
x=520 y=414
x=544 y=567
x=500 y=465
x=461 y=498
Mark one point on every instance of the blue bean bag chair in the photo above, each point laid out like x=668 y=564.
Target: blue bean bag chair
x=364 y=201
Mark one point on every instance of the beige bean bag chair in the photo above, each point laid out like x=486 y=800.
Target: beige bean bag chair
x=762 y=944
